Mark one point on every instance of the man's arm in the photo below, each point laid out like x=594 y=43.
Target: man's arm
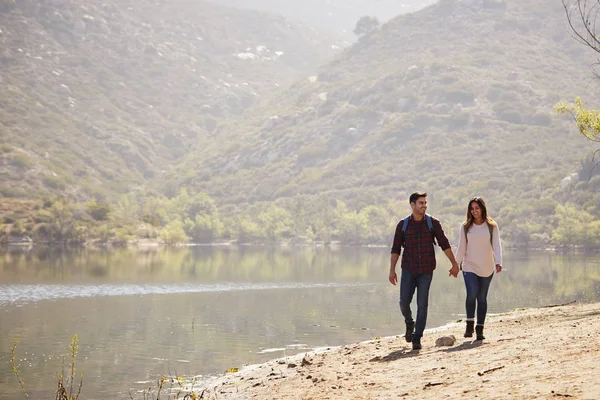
x=444 y=243
x=454 y=270
x=393 y=261
x=396 y=250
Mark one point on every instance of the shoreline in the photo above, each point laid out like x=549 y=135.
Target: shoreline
x=145 y=244
x=528 y=353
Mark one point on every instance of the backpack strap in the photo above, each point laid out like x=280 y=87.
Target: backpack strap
x=429 y=222
x=429 y=225
x=405 y=224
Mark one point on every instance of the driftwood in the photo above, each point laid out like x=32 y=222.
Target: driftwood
x=430 y=384
x=561 y=394
x=489 y=370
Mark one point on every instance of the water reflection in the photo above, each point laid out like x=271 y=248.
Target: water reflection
x=20 y=294
x=199 y=311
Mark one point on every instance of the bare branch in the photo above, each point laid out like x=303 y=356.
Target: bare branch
x=582 y=20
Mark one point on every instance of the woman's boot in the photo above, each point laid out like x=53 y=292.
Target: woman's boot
x=479 y=331
x=469 y=330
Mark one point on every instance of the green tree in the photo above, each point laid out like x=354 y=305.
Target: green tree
x=365 y=25
x=179 y=205
x=128 y=207
x=98 y=211
x=377 y=222
x=352 y=225
x=246 y=230
x=174 y=233
x=588 y=121
x=154 y=210
x=324 y=222
x=201 y=203
x=62 y=226
x=575 y=226
x=204 y=229
x=276 y=223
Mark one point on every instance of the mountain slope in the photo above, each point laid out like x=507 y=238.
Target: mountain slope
x=99 y=97
x=338 y=16
x=455 y=99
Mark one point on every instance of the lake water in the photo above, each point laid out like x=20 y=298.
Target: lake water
x=197 y=311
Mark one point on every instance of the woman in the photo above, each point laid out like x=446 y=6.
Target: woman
x=479 y=250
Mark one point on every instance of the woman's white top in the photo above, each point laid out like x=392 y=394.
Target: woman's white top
x=478 y=255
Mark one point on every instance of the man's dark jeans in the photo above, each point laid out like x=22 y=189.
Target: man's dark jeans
x=408 y=284
x=477 y=291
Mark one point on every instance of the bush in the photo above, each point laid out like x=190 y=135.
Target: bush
x=98 y=211
x=541 y=119
x=510 y=116
x=54 y=182
x=174 y=233
x=21 y=161
x=460 y=96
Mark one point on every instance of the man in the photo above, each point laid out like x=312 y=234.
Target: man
x=418 y=263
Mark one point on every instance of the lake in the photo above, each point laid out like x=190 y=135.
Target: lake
x=198 y=311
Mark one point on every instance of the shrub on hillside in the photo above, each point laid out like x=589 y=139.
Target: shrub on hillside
x=98 y=211
x=453 y=94
x=540 y=119
x=508 y=112
x=54 y=182
x=459 y=120
x=21 y=161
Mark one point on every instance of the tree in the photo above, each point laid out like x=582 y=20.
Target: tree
x=574 y=226
x=588 y=121
x=276 y=222
x=365 y=25
x=582 y=16
x=98 y=211
x=128 y=206
x=63 y=222
x=174 y=233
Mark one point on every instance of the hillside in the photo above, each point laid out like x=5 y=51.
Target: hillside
x=338 y=16
x=98 y=97
x=455 y=99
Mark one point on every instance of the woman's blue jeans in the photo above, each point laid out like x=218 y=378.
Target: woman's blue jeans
x=408 y=284
x=477 y=290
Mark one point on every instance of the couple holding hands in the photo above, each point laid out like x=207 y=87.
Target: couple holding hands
x=479 y=252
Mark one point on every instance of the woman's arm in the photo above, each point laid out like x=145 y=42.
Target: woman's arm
x=497 y=245
x=461 y=248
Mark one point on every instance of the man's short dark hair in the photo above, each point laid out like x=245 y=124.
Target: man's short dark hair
x=415 y=196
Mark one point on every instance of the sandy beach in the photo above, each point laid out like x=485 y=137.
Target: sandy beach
x=543 y=353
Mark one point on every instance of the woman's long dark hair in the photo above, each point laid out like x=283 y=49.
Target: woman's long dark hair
x=484 y=213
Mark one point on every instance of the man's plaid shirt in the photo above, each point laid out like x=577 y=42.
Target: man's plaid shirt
x=419 y=255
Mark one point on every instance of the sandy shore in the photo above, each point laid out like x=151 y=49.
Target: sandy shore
x=544 y=353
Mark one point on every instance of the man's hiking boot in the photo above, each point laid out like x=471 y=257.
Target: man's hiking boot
x=479 y=332
x=416 y=344
x=469 y=330
x=410 y=328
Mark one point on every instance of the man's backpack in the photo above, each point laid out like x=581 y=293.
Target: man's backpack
x=429 y=225
x=491 y=229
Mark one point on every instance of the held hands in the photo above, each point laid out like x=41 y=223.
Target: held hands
x=393 y=277
x=454 y=270
x=498 y=268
